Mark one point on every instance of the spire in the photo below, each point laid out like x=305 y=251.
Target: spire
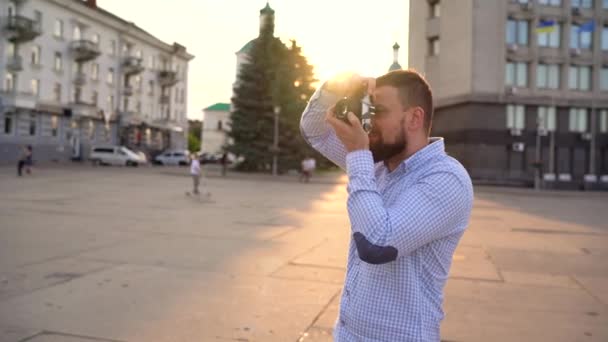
x=395 y=65
x=267 y=18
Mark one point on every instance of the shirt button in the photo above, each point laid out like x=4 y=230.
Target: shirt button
x=342 y=323
x=346 y=292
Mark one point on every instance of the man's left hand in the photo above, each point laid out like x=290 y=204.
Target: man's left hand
x=352 y=136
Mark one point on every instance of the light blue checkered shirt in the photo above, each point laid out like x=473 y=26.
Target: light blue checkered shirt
x=418 y=212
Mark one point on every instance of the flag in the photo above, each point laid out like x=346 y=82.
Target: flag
x=587 y=27
x=545 y=26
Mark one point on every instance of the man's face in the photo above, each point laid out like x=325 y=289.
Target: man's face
x=388 y=136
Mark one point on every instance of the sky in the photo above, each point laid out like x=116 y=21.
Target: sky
x=335 y=36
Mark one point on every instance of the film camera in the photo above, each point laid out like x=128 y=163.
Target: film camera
x=358 y=102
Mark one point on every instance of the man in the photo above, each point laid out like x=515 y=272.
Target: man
x=408 y=204
x=195 y=172
x=309 y=165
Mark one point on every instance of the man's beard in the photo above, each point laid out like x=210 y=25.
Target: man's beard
x=382 y=151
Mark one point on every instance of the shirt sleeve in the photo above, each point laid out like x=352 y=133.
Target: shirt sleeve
x=320 y=135
x=436 y=206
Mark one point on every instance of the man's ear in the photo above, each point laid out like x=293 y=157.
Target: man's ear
x=415 y=121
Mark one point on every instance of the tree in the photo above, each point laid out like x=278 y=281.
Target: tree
x=194 y=135
x=275 y=76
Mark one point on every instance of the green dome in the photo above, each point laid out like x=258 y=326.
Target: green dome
x=267 y=9
x=395 y=66
x=247 y=47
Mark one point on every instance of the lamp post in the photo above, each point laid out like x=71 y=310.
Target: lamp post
x=275 y=145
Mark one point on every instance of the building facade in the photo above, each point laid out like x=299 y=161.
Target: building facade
x=520 y=87
x=216 y=124
x=74 y=75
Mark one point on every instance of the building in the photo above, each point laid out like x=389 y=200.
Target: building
x=395 y=65
x=74 y=75
x=216 y=124
x=519 y=86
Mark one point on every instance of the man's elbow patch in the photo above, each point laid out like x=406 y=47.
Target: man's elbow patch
x=374 y=254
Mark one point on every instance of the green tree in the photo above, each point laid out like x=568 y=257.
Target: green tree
x=275 y=76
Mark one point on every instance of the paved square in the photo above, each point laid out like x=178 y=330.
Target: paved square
x=116 y=254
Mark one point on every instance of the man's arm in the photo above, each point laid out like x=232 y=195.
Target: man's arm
x=435 y=207
x=317 y=132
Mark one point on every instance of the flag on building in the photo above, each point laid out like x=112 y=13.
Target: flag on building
x=588 y=26
x=545 y=26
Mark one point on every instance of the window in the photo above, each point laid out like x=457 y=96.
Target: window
x=605 y=38
x=58 y=62
x=547 y=76
x=604 y=78
x=183 y=97
x=8 y=123
x=77 y=33
x=35 y=60
x=550 y=39
x=38 y=16
x=58 y=32
x=579 y=77
x=151 y=88
x=550 y=2
x=94 y=98
x=32 y=125
x=582 y=3
x=150 y=62
x=112 y=48
x=515 y=117
x=95 y=72
x=91 y=129
x=138 y=107
x=137 y=80
x=603 y=121
x=57 y=92
x=580 y=39
x=95 y=38
x=125 y=104
x=434 y=46
x=35 y=85
x=546 y=118
x=11 y=9
x=516 y=74
x=11 y=49
x=517 y=32
x=605 y=4
x=578 y=120
x=77 y=94
x=110 y=78
x=9 y=82
x=110 y=104
x=435 y=9
x=54 y=125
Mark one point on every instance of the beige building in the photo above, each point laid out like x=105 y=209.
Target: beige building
x=216 y=124
x=519 y=86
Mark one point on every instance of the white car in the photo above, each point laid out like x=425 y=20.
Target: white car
x=173 y=158
x=114 y=155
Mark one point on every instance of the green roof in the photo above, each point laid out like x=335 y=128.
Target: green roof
x=394 y=66
x=247 y=47
x=219 y=107
x=267 y=9
x=396 y=46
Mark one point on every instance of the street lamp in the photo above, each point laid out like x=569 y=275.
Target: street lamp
x=275 y=145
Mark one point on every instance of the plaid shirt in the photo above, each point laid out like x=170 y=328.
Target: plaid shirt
x=405 y=227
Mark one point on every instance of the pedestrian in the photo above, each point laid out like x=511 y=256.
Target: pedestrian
x=409 y=204
x=25 y=161
x=224 y=162
x=196 y=174
x=309 y=165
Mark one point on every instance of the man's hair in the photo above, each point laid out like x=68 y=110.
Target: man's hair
x=413 y=91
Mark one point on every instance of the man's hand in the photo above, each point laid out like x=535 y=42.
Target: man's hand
x=352 y=136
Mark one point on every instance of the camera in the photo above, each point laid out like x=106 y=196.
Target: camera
x=359 y=103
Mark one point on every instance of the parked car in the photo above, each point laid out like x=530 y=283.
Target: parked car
x=114 y=155
x=173 y=158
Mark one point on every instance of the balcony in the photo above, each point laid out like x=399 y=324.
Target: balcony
x=20 y=29
x=14 y=64
x=80 y=79
x=132 y=66
x=84 y=50
x=167 y=78
x=84 y=110
x=127 y=91
x=17 y=99
x=129 y=117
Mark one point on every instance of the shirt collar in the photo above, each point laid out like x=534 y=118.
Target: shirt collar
x=434 y=148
